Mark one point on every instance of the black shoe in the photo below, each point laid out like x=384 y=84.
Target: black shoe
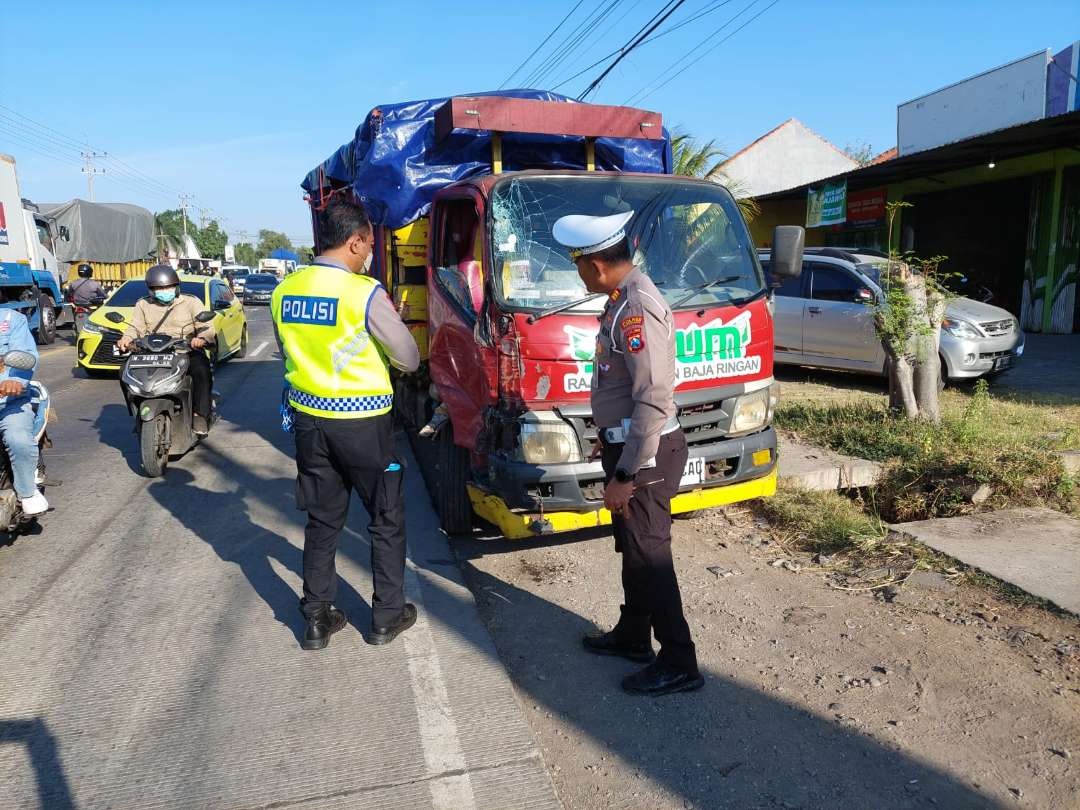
x=384 y=635
x=660 y=678
x=321 y=626
x=200 y=425
x=612 y=644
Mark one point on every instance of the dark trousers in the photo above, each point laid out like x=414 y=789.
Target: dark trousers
x=202 y=381
x=334 y=457
x=643 y=537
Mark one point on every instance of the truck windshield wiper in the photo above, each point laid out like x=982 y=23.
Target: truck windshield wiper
x=561 y=307
x=697 y=289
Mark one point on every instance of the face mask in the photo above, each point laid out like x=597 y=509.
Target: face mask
x=367 y=263
x=165 y=296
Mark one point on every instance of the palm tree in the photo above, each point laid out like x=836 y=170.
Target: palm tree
x=169 y=234
x=706 y=160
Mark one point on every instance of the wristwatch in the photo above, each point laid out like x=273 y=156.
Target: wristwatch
x=622 y=476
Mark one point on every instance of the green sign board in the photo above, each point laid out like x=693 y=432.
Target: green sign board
x=826 y=204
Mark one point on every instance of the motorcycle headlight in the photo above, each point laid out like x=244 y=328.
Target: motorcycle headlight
x=546 y=439
x=752 y=411
x=960 y=329
x=92 y=328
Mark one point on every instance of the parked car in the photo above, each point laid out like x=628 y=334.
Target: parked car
x=97 y=340
x=825 y=318
x=259 y=288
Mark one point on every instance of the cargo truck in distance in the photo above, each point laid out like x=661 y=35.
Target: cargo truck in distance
x=464 y=192
x=29 y=271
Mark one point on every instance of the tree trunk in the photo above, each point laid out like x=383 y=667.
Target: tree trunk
x=928 y=361
x=903 y=375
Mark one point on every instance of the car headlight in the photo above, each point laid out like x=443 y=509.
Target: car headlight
x=92 y=328
x=960 y=329
x=752 y=411
x=544 y=438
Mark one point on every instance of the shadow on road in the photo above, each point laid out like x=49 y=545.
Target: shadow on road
x=52 y=785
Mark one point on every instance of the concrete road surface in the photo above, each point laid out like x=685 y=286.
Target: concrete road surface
x=148 y=635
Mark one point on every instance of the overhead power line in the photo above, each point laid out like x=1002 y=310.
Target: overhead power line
x=649 y=89
x=560 y=51
x=589 y=45
x=634 y=42
x=536 y=50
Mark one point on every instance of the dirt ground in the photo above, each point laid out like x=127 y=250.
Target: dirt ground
x=815 y=697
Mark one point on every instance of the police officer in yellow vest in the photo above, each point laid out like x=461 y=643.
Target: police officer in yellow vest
x=337 y=329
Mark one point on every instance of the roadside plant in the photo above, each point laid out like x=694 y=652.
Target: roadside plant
x=908 y=320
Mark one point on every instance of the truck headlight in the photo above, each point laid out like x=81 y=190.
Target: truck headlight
x=546 y=439
x=960 y=329
x=752 y=411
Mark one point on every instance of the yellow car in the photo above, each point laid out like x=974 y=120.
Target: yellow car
x=97 y=341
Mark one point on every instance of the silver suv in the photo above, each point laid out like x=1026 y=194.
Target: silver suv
x=823 y=319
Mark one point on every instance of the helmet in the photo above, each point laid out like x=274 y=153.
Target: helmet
x=85 y=270
x=161 y=275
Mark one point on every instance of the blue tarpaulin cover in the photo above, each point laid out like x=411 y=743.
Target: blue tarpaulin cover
x=395 y=166
x=283 y=253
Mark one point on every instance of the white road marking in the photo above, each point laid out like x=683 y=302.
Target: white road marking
x=438 y=731
x=259 y=348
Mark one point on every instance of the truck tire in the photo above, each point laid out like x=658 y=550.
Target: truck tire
x=451 y=499
x=46 y=331
x=153 y=451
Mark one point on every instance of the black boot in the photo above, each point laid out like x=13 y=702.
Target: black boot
x=384 y=635
x=662 y=678
x=320 y=626
x=614 y=643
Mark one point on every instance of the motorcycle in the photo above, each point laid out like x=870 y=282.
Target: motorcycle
x=82 y=312
x=12 y=518
x=157 y=390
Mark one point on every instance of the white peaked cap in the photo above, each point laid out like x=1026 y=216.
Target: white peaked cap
x=584 y=234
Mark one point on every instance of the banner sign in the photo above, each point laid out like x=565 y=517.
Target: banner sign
x=864 y=206
x=3 y=227
x=826 y=205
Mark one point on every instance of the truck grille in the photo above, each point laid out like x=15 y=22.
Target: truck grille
x=103 y=354
x=702 y=424
x=998 y=328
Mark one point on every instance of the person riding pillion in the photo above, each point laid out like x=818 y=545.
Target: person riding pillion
x=17 y=413
x=85 y=291
x=169 y=312
x=338 y=330
x=643 y=451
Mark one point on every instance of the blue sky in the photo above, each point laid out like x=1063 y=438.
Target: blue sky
x=233 y=102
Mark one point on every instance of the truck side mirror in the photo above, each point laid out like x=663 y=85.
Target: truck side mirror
x=65 y=234
x=787 y=251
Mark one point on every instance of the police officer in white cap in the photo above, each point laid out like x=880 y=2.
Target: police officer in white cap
x=643 y=452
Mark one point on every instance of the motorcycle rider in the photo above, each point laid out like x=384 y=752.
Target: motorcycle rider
x=85 y=292
x=17 y=413
x=166 y=311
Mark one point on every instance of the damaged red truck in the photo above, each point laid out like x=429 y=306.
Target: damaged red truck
x=505 y=325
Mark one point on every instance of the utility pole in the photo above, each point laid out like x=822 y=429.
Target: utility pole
x=183 y=214
x=89 y=170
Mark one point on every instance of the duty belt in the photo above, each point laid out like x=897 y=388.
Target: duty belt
x=617 y=435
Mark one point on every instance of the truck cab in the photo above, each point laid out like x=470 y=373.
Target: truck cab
x=29 y=272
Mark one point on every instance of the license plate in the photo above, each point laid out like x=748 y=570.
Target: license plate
x=1002 y=362
x=150 y=360
x=693 y=472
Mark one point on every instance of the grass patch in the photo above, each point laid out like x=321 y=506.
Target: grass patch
x=933 y=470
x=822 y=521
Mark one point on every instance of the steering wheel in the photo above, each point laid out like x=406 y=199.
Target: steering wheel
x=688 y=270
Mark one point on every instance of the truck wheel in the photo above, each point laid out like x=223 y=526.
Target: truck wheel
x=153 y=446
x=46 y=331
x=451 y=499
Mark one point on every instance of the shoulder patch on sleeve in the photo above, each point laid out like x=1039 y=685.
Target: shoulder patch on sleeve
x=631 y=321
x=635 y=339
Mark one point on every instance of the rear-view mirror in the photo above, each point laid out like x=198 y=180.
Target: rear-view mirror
x=65 y=234
x=205 y=317
x=114 y=317
x=23 y=361
x=787 y=251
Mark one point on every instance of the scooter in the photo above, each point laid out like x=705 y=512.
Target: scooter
x=82 y=312
x=157 y=390
x=12 y=518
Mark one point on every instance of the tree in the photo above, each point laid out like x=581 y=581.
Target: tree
x=306 y=254
x=860 y=151
x=211 y=241
x=908 y=321
x=705 y=160
x=246 y=255
x=269 y=241
x=169 y=232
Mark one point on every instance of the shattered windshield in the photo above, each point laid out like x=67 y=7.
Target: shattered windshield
x=688 y=237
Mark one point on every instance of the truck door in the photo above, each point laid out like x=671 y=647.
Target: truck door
x=455 y=301
x=838 y=328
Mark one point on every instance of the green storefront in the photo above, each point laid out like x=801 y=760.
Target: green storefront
x=1003 y=207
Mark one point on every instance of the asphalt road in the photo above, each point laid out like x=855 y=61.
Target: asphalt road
x=148 y=634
